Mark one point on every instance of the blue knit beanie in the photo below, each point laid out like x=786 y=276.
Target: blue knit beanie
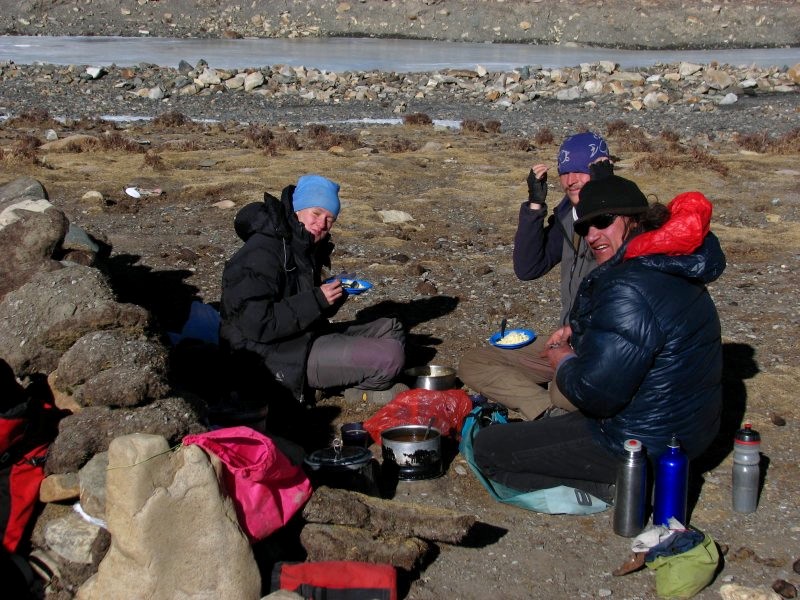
x=579 y=151
x=315 y=190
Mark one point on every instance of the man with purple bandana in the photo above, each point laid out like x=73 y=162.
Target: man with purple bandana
x=516 y=378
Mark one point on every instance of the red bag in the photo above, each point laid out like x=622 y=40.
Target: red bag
x=336 y=580
x=266 y=488
x=26 y=431
x=448 y=408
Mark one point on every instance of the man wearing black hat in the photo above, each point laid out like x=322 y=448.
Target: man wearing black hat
x=641 y=357
x=516 y=378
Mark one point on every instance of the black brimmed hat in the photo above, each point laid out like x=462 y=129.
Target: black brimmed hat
x=613 y=195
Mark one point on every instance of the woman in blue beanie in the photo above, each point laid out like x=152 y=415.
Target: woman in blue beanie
x=275 y=307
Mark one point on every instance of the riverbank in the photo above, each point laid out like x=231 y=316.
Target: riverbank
x=634 y=24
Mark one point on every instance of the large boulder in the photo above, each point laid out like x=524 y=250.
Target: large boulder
x=42 y=319
x=82 y=435
x=174 y=531
x=113 y=368
x=30 y=231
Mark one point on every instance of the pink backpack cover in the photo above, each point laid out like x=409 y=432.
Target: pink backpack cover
x=267 y=489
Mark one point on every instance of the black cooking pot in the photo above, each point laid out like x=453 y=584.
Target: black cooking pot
x=346 y=467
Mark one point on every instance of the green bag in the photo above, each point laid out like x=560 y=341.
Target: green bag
x=684 y=575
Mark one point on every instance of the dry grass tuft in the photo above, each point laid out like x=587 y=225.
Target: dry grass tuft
x=35 y=117
x=259 y=136
x=493 y=126
x=90 y=124
x=397 y=145
x=763 y=143
x=417 y=119
x=171 y=120
x=118 y=142
x=701 y=158
x=617 y=127
x=319 y=137
x=520 y=145
x=670 y=137
x=658 y=161
x=153 y=160
x=544 y=137
x=696 y=158
x=472 y=126
x=24 y=150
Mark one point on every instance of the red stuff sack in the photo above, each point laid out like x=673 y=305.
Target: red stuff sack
x=26 y=431
x=336 y=580
x=448 y=408
x=266 y=488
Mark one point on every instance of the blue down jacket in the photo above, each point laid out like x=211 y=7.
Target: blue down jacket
x=271 y=304
x=648 y=347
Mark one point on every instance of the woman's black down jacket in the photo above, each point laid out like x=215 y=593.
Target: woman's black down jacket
x=649 y=352
x=271 y=302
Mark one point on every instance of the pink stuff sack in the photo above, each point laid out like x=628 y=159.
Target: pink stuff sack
x=266 y=488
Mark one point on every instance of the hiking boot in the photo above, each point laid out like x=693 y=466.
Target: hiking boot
x=374 y=396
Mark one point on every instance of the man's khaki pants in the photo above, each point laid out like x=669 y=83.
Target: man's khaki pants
x=517 y=379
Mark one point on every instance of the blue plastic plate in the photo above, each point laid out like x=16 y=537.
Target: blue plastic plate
x=355 y=286
x=530 y=335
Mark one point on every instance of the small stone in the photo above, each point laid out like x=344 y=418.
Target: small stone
x=50 y=135
x=796 y=566
x=777 y=420
x=784 y=588
x=729 y=99
x=224 y=204
x=604 y=593
x=426 y=288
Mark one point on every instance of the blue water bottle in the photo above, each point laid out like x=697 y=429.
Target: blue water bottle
x=671 y=485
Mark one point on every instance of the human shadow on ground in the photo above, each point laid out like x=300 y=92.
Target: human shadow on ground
x=738 y=364
x=420 y=348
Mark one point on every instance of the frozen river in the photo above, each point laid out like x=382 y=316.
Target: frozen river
x=354 y=54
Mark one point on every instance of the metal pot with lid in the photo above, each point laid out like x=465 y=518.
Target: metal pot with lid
x=345 y=467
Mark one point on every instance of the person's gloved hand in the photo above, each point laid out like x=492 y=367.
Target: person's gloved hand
x=537 y=186
x=601 y=170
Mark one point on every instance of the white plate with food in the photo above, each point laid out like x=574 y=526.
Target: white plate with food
x=512 y=338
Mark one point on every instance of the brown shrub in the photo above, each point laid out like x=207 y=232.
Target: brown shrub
x=153 y=160
x=36 y=117
x=701 y=158
x=258 y=136
x=754 y=142
x=544 y=137
x=25 y=149
x=118 y=142
x=82 y=145
x=286 y=140
x=658 y=161
x=616 y=127
x=89 y=124
x=316 y=130
x=520 y=145
x=472 y=126
x=396 y=145
x=171 y=120
x=788 y=143
x=670 y=136
x=493 y=126
x=322 y=138
x=417 y=119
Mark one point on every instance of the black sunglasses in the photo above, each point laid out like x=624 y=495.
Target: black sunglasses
x=598 y=222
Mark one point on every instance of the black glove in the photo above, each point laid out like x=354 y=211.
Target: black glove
x=537 y=188
x=601 y=170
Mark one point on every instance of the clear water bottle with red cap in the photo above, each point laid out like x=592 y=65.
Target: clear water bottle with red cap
x=746 y=471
